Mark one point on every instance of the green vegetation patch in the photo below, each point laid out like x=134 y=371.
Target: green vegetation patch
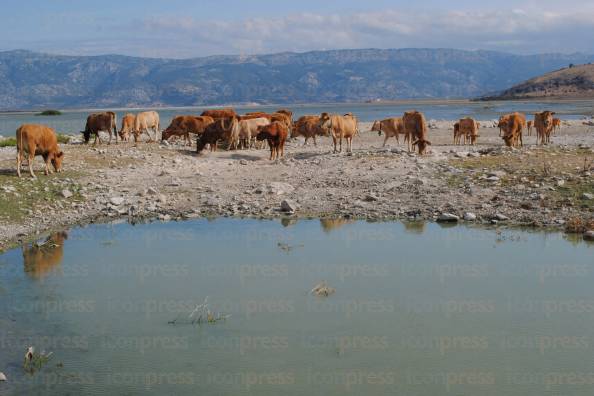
x=50 y=113
x=20 y=198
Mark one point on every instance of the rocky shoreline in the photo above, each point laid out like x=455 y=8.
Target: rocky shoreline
x=486 y=184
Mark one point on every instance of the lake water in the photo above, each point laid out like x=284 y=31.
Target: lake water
x=419 y=309
x=71 y=122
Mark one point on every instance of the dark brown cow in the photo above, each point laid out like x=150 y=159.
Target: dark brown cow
x=219 y=130
x=35 y=140
x=218 y=114
x=276 y=135
x=98 y=122
x=416 y=126
x=308 y=127
x=184 y=125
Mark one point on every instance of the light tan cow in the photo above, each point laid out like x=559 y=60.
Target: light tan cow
x=35 y=139
x=543 y=123
x=128 y=123
x=246 y=131
x=416 y=126
x=468 y=129
x=145 y=121
x=391 y=127
x=340 y=127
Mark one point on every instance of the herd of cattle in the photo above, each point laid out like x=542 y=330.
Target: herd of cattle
x=226 y=127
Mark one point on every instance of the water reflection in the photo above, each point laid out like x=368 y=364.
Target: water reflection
x=415 y=227
x=39 y=259
x=329 y=225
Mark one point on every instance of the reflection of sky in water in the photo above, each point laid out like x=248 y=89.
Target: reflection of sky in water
x=71 y=122
x=414 y=303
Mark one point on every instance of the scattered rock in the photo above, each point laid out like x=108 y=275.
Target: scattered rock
x=587 y=196
x=152 y=191
x=67 y=193
x=589 y=235
x=2 y=376
x=500 y=217
x=322 y=290
x=447 y=218
x=117 y=201
x=288 y=206
x=469 y=216
x=370 y=198
x=243 y=162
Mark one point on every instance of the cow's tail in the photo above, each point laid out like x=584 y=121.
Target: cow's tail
x=19 y=138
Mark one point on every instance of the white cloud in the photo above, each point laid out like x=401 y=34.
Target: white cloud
x=525 y=29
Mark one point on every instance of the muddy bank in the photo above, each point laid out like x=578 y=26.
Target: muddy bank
x=486 y=183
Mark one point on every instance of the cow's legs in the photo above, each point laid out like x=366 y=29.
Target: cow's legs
x=314 y=139
x=340 y=150
x=31 y=158
x=19 y=161
x=334 y=141
x=385 y=140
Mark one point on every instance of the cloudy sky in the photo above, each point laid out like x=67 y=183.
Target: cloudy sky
x=185 y=28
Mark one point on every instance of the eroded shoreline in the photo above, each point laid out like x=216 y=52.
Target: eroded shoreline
x=485 y=184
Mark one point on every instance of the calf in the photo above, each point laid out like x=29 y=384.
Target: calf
x=467 y=128
x=276 y=135
x=35 y=140
x=128 y=122
x=543 y=123
x=556 y=125
x=513 y=130
x=392 y=127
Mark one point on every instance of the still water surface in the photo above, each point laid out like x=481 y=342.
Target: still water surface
x=71 y=122
x=418 y=310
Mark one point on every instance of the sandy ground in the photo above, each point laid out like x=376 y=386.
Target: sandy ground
x=486 y=183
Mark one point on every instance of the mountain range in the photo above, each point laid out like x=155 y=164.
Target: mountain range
x=30 y=80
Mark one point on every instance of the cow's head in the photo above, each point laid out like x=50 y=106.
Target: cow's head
x=422 y=145
x=377 y=127
x=86 y=135
x=57 y=161
x=325 y=121
x=166 y=134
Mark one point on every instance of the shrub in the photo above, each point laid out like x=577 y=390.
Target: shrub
x=8 y=142
x=50 y=113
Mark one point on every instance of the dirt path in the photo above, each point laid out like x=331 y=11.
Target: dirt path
x=532 y=186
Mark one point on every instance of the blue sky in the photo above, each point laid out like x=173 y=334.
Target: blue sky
x=182 y=28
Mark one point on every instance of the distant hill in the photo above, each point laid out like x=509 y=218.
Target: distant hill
x=569 y=82
x=31 y=80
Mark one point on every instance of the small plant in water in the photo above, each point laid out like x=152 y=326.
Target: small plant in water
x=201 y=314
x=34 y=361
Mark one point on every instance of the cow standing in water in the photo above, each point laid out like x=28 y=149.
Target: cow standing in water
x=97 y=122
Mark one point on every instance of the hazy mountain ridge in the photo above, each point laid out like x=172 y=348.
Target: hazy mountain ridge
x=35 y=80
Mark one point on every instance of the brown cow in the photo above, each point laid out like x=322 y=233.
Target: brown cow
x=340 y=127
x=502 y=125
x=516 y=123
x=289 y=115
x=282 y=117
x=40 y=259
x=467 y=128
x=556 y=125
x=184 y=125
x=276 y=135
x=392 y=127
x=543 y=123
x=128 y=122
x=251 y=116
x=416 y=126
x=218 y=114
x=35 y=140
x=307 y=126
x=145 y=121
x=221 y=129
x=98 y=122
x=529 y=125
